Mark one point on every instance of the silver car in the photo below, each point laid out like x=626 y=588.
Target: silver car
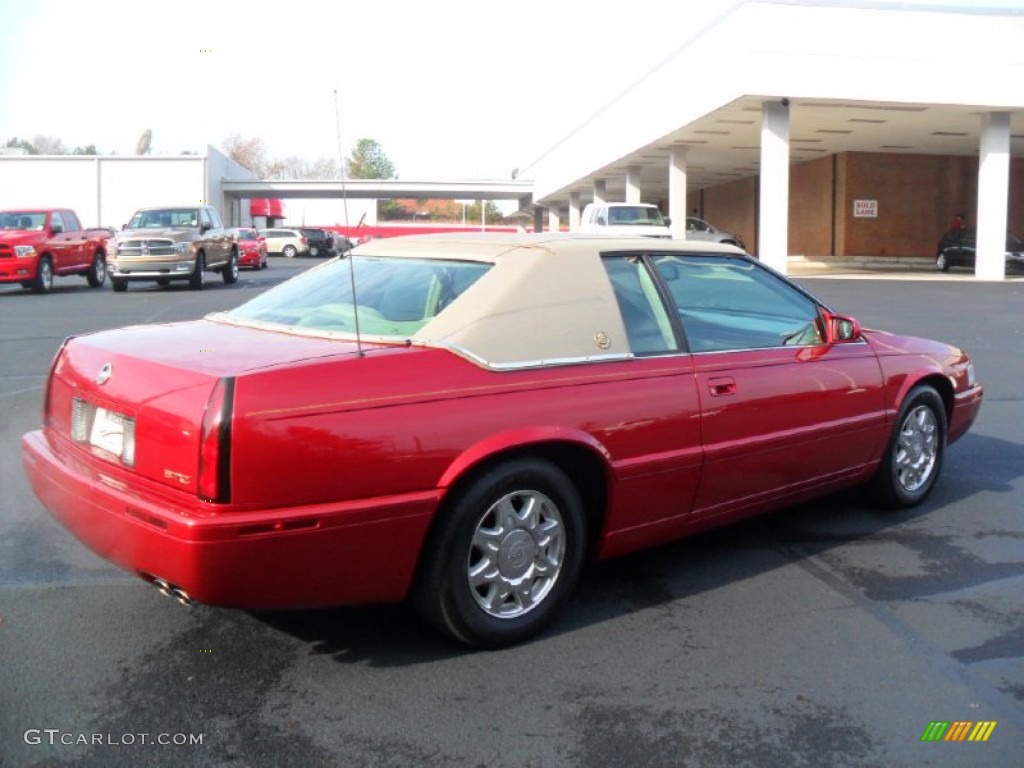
x=698 y=229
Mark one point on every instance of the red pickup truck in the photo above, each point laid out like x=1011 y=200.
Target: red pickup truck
x=38 y=243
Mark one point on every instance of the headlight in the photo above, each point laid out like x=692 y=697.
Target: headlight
x=971 y=380
x=24 y=251
x=183 y=249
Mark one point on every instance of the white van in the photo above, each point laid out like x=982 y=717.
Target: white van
x=630 y=219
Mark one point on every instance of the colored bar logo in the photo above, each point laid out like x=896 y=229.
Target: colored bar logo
x=958 y=730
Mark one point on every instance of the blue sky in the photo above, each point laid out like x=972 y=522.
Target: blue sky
x=452 y=88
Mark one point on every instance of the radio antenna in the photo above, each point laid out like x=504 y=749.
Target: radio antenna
x=351 y=259
x=341 y=158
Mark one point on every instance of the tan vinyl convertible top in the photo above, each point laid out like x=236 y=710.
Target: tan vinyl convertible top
x=546 y=300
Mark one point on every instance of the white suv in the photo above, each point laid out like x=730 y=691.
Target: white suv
x=630 y=219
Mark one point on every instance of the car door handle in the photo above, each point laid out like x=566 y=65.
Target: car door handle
x=722 y=385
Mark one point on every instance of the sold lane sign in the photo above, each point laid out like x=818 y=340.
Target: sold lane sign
x=865 y=209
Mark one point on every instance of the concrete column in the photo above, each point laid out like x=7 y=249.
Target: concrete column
x=677 y=191
x=554 y=220
x=574 y=211
x=599 y=193
x=538 y=219
x=633 y=184
x=993 y=196
x=773 y=230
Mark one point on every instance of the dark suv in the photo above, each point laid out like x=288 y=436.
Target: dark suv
x=320 y=241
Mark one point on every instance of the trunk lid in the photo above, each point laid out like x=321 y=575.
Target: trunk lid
x=136 y=397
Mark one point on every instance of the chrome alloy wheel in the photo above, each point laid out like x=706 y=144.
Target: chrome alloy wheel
x=917 y=448
x=516 y=554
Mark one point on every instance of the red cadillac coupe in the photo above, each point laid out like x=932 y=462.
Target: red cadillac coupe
x=463 y=420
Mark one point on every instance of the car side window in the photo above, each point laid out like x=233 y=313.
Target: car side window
x=732 y=303
x=648 y=326
x=71 y=223
x=214 y=218
x=57 y=222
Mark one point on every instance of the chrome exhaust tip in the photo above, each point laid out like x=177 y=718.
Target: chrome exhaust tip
x=170 y=590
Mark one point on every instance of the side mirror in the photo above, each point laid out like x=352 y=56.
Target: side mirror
x=839 y=329
x=601 y=220
x=668 y=221
x=56 y=229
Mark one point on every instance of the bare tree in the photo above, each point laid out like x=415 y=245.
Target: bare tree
x=248 y=153
x=49 y=145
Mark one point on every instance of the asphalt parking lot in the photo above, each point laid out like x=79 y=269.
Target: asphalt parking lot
x=828 y=634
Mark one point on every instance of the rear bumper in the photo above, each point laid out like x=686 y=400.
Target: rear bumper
x=311 y=556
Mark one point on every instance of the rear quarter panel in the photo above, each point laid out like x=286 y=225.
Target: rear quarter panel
x=412 y=420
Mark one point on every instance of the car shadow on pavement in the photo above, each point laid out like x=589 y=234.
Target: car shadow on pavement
x=679 y=571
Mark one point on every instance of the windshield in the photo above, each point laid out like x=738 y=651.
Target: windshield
x=396 y=297
x=638 y=215
x=165 y=217
x=22 y=220
x=247 y=234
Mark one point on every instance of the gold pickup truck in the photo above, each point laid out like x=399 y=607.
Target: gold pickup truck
x=177 y=243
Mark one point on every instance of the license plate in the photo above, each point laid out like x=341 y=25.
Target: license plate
x=108 y=431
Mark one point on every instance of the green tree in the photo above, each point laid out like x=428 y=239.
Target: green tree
x=89 y=149
x=28 y=146
x=368 y=161
x=494 y=215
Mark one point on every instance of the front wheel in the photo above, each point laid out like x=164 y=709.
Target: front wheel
x=503 y=555
x=289 y=252
x=230 y=270
x=913 y=458
x=119 y=286
x=97 y=274
x=44 y=277
x=942 y=262
x=198 y=278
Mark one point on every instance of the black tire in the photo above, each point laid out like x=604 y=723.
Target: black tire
x=289 y=252
x=119 y=286
x=198 y=278
x=97 y=274
x=230 y=270
x=537 y=558
x=43 y=282
x=942 y=262
x=913 y=458
x=163 y=282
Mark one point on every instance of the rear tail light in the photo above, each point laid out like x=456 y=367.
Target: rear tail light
x=215 y=444
x=47 y=407
x=303 y=240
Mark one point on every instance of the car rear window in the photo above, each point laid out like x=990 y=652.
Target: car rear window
x=394 y=297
